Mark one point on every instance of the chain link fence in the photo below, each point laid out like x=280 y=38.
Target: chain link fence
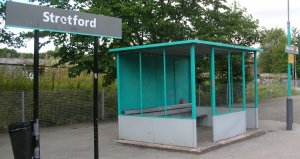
x=58 y=107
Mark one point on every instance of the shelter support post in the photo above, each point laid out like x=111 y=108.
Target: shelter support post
x=96 y=149
x=212 y=82
x=36 y=126
x=244 y=80
x=165 y=82
x=141 y=82
x=232 y=82
x=193 y=80
x=119 y=84
x=255 y=80
x=229 y=80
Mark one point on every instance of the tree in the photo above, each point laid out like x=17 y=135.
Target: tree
x=8 y=53
x=233 y=26
x=151 y=21
x=273 y=59
x=296 y=41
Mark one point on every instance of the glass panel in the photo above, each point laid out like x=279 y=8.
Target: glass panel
x=250 y=82
x=222 y=85
x=237 y=82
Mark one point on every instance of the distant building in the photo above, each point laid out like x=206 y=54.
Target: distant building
x=20 y=67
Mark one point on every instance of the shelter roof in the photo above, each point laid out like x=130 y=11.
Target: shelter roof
x=182 y=47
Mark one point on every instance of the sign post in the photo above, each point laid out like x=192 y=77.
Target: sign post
x=58 y=20
x=36 y=126
x=96 y=148
x=290 y=50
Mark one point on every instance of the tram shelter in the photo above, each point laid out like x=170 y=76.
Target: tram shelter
x=180 y=93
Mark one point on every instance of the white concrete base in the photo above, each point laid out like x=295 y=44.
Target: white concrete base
x=229 y=125
x=179 y=132
x=252 y=118
x=208 y=121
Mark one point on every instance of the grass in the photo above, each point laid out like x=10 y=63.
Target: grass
x=63 y=100
x=274 y=90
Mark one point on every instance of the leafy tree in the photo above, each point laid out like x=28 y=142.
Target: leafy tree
x=273 y=59
x=233 y=26
x=296 y=41
x=8 y=53
x=151 y=21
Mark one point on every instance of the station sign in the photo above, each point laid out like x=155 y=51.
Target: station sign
x=36 y=17
x=291 y=49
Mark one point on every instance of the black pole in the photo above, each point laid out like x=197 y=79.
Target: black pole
x=96 y=149
x=289 y=114
x=36 y=132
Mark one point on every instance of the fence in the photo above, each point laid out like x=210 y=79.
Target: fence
x=58 y=107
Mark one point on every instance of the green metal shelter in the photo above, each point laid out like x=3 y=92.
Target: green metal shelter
x=167 y=91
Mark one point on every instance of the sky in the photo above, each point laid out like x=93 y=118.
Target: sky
x=270 y=13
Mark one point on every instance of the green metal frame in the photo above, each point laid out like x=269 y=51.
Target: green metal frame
x=119 y=84
x=60 y=31
x=141 y=81
x=255 y=80
x=289 y=90
x=229 y=81
x=212 y=82
x=244 y=80
x=192 y=83
x=186 y=42
x=165 y=82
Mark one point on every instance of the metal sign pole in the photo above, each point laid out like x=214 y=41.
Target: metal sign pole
x=96 y=149
x=36 y=131
x=289 y=100
x=78 y=23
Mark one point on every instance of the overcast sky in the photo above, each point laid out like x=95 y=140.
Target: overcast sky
x=270 y=13
x=273 y=13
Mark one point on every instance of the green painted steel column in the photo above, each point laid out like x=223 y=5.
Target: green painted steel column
x=289 y=92
x=165 y=82
x=141 y=83
x=244 y=80
x=119 y=84
x=255 y=80
x=229 y=80
x=193 y=81
x=212 y=82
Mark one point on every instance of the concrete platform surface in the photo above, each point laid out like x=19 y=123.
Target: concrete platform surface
x=76 y=142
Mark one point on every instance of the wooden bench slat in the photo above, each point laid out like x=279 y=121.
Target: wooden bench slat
x=171 y=110
x=179 y=106
x=133 y=111
x=179 y=111
x=161 y=113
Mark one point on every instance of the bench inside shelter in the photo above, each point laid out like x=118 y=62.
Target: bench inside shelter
x=171 y=110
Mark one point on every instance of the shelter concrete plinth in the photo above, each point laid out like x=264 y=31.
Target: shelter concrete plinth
x=205 y=140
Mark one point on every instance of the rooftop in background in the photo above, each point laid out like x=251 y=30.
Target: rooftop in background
x=19 y=61
x=201 y=47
